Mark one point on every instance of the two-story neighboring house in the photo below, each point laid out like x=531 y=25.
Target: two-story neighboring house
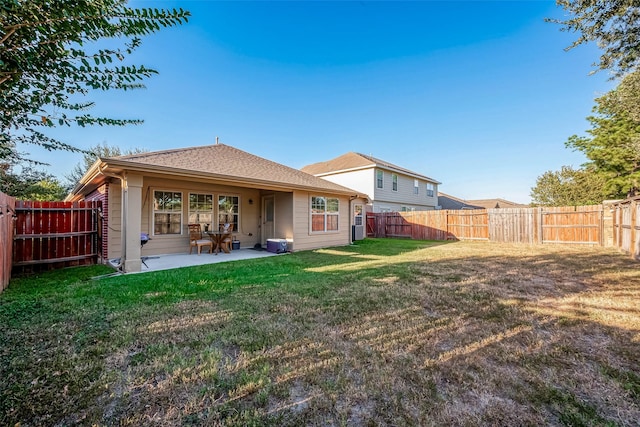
x=389 y=187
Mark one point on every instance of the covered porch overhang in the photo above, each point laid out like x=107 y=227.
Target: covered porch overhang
x=266 y=208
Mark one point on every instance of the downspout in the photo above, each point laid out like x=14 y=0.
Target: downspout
x=123 y=218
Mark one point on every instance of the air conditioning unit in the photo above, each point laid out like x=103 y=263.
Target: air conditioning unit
x=357 y=232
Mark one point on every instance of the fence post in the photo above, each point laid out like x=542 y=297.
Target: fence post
x=7 y=223
x=635 y=230
x=540 y=228
x=446 y=221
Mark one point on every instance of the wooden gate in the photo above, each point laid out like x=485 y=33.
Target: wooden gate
x=56 y=234
x=371 y=224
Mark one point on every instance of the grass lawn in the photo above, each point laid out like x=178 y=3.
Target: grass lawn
x=385 y=332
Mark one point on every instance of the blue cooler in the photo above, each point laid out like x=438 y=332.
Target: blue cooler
x=277 y=246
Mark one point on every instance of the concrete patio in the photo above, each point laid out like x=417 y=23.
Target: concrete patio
x=166 y=262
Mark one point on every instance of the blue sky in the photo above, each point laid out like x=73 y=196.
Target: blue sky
x=478 y=95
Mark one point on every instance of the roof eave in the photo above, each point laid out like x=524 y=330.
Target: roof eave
x=120 y=165
x=355 y=169
x=87 y=179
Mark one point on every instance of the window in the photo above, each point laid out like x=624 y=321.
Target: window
x=201 y=210
x=357 y=215
x=324 y=214
x=430 y=189
x=407 y=209
x=228 y=211
x=380 y=178
x=416 y=186
x=394 y=182
x=167 y=212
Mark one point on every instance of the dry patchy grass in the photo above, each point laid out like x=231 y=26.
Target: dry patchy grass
x=428 y=334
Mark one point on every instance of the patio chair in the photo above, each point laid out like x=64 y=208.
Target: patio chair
x=226 y=239
x=195 y=239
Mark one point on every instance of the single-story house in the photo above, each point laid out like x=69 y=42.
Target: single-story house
x=160 y=193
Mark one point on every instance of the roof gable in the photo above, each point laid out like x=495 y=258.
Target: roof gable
x=345 y=162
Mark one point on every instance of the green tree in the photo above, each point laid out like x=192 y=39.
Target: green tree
x=568 y=187
x=92 y=154
x=29 y=183
x=50 y=60
x=612 y=148
x=612 y=24
x=625 y=99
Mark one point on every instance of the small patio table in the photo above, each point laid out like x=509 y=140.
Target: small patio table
x=217 y=237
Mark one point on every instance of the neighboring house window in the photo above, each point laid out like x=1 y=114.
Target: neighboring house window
x=167 y=212
x=357 y=215
x=228 y=211
x=380 y=178
x=201 y=210
x=324 y=214
x=394 y=182
x=407 y=209
x=430 y=189
x=416 y=186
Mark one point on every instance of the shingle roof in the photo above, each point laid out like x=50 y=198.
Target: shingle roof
x=224 y=160
x=355 y=161
x=496 y=203
x=450 y=202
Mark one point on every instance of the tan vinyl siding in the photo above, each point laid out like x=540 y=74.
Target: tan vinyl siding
x=303 y=238
x=168 y=244
x=115 y=223
x=283 y=215
x=405 y=195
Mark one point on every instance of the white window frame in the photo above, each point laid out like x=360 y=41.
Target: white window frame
x=430 y=189
x=379 y=178
x=394 y=181
x=358 y=218
x=236 y=214
x=155 y=211
x=325 y=213
x=197 y=212
x=416 y=186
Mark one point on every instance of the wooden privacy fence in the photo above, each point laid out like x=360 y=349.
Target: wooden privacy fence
x=56 y=234
x=429 y=225
x=568 y=225
x=7 y=209
x=626 y=226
